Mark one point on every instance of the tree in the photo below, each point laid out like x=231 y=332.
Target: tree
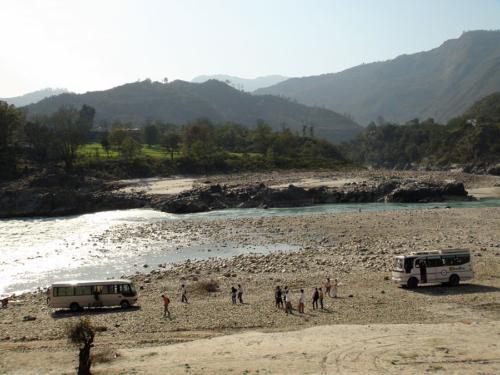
x=117 y=136
x=68 y=137
x=304 y=130
x=261 y=136
x=40 y=139
x=311 y=131
x=105 y=143
x=151 y=134
x=200 y=131
x=130 y=147
x=10 y=121
x=171 y=143
x=165 y=80
x=82 y=332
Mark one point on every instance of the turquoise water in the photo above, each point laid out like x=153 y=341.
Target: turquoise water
x=34 y=252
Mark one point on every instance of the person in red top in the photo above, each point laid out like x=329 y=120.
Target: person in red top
x=166 y=301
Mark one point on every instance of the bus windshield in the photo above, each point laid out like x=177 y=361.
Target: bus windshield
x=132 y=288
x=398 y=264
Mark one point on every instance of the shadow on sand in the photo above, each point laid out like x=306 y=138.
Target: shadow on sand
x=66 y=313
x=445 y=290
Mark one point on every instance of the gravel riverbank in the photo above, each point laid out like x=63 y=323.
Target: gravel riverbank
x=357 y=248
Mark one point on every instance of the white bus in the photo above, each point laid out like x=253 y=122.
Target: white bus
x=442 y=266
x=97 y=293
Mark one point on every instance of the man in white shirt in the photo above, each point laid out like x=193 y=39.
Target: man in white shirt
x=183 y=293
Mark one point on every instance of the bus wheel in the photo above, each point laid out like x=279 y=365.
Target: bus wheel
x=124 y=304
x=74 y=307
x=454 y=280
x=412 y=283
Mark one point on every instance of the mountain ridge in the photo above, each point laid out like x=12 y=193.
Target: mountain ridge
x=245 y=84
x=440 y=83
x=181 y=102
x=33 y=97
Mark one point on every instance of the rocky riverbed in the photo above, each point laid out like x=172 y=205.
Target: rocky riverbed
x=357 y=248
x=59 y=194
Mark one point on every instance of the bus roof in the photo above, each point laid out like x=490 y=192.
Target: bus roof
x=91 y=282
x=435 y=252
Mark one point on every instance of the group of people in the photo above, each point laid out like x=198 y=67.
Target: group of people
x=166 y=300
x=238 y=291
x=284 y=296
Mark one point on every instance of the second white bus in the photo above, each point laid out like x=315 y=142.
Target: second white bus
x=443 y=266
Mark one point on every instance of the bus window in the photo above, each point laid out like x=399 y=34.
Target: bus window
x=82 y=290
x=462 y=259
x=112 y=289
x=97 y=288
x=409 y=264
x=448 y=260
x=124 y=288
x=433 y=262
x=104 y=289
x=65 y=291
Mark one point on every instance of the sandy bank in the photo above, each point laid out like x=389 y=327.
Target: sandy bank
x=460 y=348
x=156 y=185
x=491 y=192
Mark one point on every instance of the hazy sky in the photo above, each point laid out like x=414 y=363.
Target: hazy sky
x=95 y=45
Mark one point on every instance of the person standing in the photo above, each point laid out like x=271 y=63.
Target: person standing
x=233 y=295
x=288 y=301
x=335 y=288
x=166 y=301
x=315 y=298
x=302 y=301
x=277 y=296
x=321 y=298
x=328 y=286
x=49 y=294
x=240 y=293
x=184 y=294
x=423 y=272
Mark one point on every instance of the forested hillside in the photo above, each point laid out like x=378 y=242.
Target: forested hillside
x=441 y=83
x=182 y=102
x=473 y=138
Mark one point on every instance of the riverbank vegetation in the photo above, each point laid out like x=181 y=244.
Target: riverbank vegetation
x=472 y=138
x=69 y=139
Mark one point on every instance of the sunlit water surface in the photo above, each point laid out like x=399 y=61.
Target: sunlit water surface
x=38 y=251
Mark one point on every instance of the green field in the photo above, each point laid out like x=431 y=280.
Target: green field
x=153 y=151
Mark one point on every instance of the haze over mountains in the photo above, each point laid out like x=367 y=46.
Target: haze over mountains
x=244 y=84
x=33 y=97
x=441 y=83
x=180 y=102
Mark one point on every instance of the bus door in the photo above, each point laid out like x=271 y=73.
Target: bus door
x=433 y=265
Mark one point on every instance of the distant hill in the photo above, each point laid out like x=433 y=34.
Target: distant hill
x=441 y=83
x=182 y=102
x=33 y=97
x=244 y=84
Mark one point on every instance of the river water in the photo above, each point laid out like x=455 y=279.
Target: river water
x=35 y=252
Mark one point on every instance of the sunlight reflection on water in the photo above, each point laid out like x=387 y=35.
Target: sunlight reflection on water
x=37 y=251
